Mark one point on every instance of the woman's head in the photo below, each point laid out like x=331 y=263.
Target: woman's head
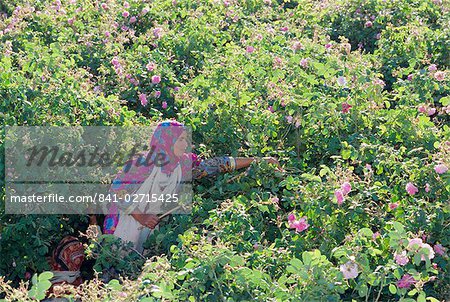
x=171 y=139
x=180 y=145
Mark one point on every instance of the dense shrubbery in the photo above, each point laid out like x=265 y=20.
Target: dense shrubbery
x=351 y=96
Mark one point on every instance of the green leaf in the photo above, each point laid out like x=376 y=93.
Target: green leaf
x=45 y=276
x=362 y=291
x=445 y=101
x=114 y=284
x=43 y=286
x=421 y=297
x=236 y=261
x=366 y=232
x=345 y=153
x=392 y=289
x=398 y=226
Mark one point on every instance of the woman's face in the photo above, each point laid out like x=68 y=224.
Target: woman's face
x=179 y=148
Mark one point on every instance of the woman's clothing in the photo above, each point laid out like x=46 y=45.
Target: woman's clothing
x=66 y=261
x=128 y=229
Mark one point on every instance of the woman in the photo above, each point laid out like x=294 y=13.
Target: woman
x=130 y=222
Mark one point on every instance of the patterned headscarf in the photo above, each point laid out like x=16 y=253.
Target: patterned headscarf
x=136 y=170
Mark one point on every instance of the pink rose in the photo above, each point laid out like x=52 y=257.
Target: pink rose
x=401 y=259
x=157 y=32
x=164 y=105
x=368 y=24
x=411 y=189
x=250 y=49
x=406 y=281
x=439 y=75
x=349 y=270
x=432 y=68
x=393 y=206
x=133 y=19
x=289 y=119
x=304 y=63
x=125 y=14
x=104 y=6
x=156 y=79
x=291 y=217
x=346 y=187
x=297 y=45
x=346 y=107
x=157 y=94
x=299 y=225
x=339 y=196
x=427 y=187
x=431 y=111
x=440 y=169
x=115 y=62
x=439 y=249
x=143 y=99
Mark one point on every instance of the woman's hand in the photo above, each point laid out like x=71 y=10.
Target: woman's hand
x=147 y=220
x=273 y=160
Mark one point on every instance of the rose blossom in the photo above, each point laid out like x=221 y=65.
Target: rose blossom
x=439 y=75
x=416 y=244
x=393 y=205
x=406 y=281
x=401 y=259
x=346 y=187
x=289 y=119
x=143 y=99
x=156 y=79
x=297 y=45
x=164 y=105
x=299 y=225
x=440 y=169
x=341 y=81
x=339 y=196
x=427 y=187
x=349 y=269
x=411 y=189
x=291 y=217
x=346 y=107
x=432 y=67
x=304 y=63
x=439 y=249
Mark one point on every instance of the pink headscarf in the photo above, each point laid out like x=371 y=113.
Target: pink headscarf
x=136 y=170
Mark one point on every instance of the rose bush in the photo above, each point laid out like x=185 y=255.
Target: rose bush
x=352 y=97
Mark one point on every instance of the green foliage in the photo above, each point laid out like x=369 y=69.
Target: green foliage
x=76 y=63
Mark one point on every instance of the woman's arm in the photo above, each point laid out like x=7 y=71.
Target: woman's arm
x=223 y=164
x=243 y=162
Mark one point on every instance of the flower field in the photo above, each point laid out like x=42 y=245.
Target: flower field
x=352 y=97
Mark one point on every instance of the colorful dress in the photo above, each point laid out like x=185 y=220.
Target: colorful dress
x=142 y=177
x=201 y=168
